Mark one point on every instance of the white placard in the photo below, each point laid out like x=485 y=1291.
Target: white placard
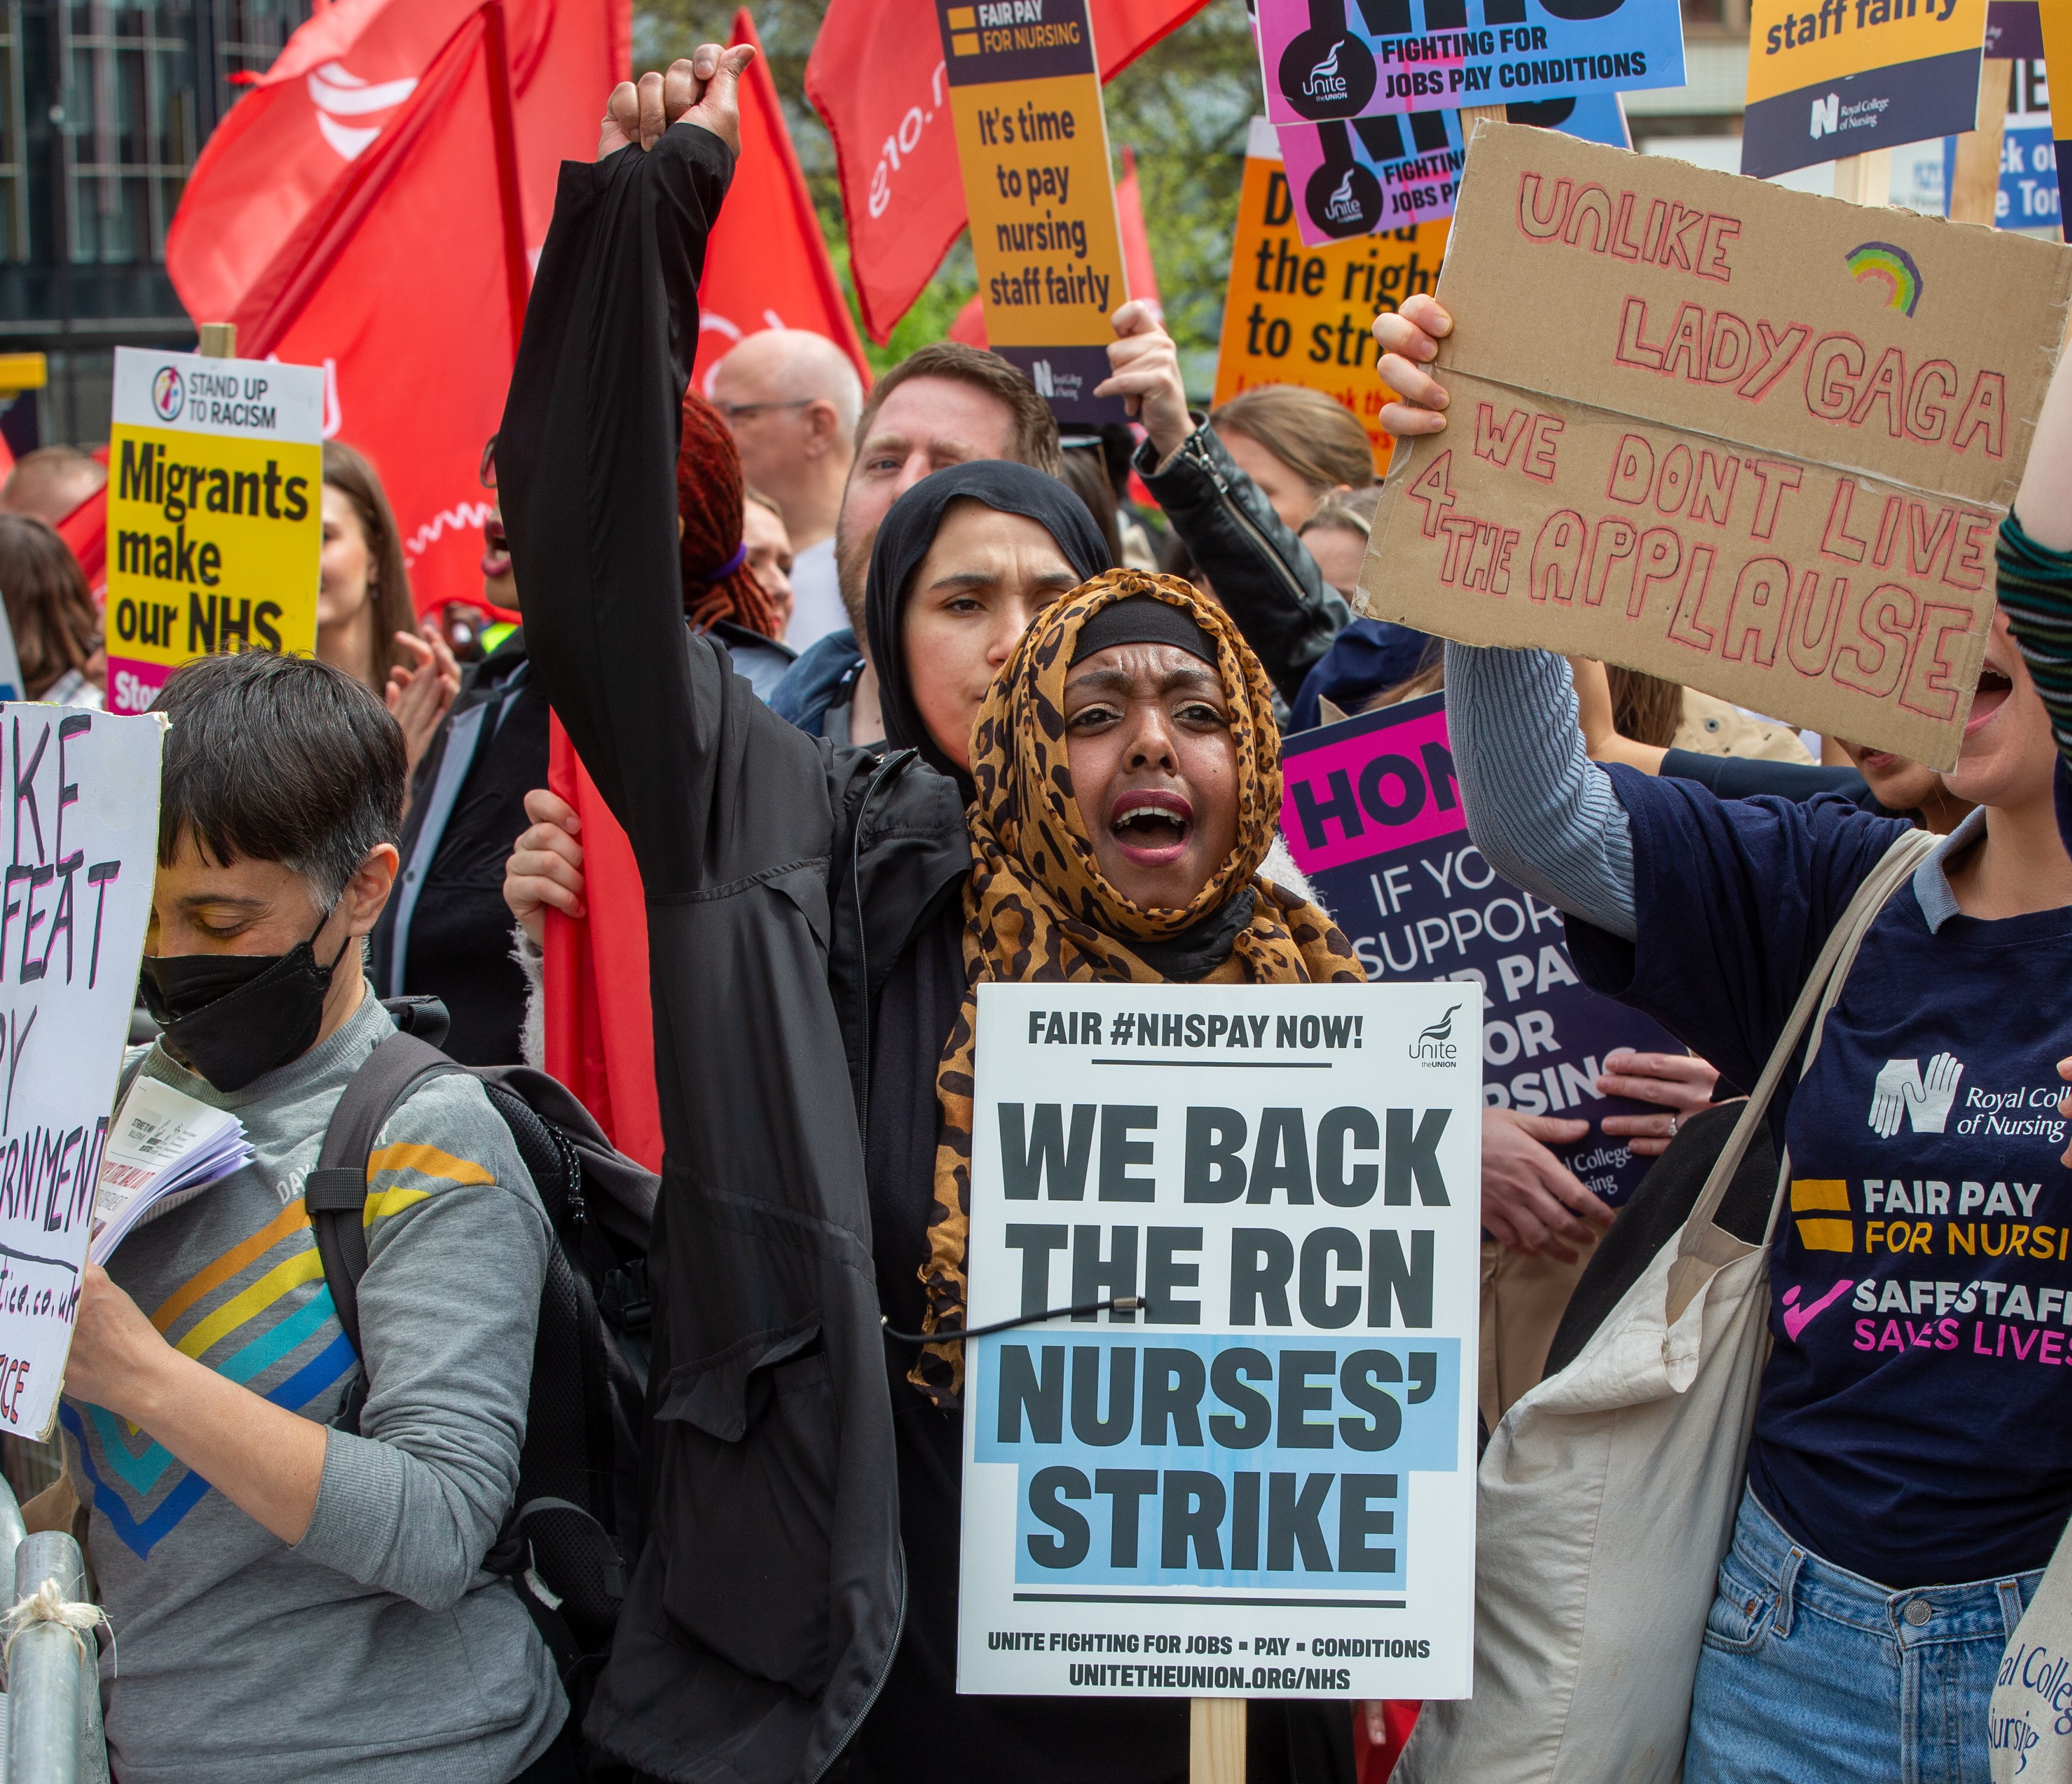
x=1263 y=1486
x=238 y=399
x=81 y=829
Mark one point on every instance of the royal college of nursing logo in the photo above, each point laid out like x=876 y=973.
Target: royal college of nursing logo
x=1923 y=1099
x=1434 y=1046
x=169 y=394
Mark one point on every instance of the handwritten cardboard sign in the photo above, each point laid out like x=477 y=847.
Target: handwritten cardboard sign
x=1297 y=314
x=1836 y=77
x=1751 y=440
x=1032 y=140
x=214 y=521
x=81 y=850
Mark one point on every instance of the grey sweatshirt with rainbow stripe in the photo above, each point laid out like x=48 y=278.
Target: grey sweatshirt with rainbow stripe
x=375 y=1649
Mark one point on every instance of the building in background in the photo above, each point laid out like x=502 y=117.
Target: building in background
x=104 y=106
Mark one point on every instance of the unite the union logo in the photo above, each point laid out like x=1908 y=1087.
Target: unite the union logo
x=169 y=393
x=1435 y=1046
x=1325 y=81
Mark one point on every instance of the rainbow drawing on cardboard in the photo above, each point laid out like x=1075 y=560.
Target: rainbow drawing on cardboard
x=1894 y=266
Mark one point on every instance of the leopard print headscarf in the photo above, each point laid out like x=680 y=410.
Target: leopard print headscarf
x=1038 y=909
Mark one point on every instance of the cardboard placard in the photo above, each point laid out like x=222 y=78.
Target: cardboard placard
x=215 y=513
x=1829 y=78
x=1301 y=315
x=1329 y=58
x=1032 y=140
x=1746 y=438
x=82 y=854
x=1262 y=1485
x=1352 y=177
x=1373 y=817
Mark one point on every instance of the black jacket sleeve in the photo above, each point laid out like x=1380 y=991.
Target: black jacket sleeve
x=762 y=1608
x=1263 y=574
x=709 y=784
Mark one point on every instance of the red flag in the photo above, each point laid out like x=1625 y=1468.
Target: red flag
x=600 y=1032
x=1136 y=261
x=373 y=207
x=876 y=78
x=767 y=265
x=85 y=530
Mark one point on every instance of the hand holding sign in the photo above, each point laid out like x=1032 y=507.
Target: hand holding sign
x=1409 y=339
x=1146 y=375
x=1733 y=441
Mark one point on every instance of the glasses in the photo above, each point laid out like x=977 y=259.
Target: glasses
x=488 y=471
x=735 y=412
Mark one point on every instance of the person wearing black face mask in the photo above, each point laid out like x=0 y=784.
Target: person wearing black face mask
x=283 y=1582
x=234 y=1017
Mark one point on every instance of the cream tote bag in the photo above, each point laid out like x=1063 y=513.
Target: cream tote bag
x=1606 y=1499
x=2029 y=1726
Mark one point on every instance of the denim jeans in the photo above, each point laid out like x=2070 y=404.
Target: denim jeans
x=1811 y=1672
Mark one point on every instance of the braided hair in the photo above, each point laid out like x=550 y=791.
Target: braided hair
x=710 y=494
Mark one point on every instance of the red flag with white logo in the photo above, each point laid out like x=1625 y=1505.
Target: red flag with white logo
x=876 y=78
x=374 y=206
x=767 y=265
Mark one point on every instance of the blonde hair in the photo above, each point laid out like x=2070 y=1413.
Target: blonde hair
x=1315 y=437
x=1348 y=511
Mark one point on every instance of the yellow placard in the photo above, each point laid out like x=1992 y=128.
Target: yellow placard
x=214 y=528
x=1795 y=43
x=1301 y=315
x=1032 y=144
x=1042 y=210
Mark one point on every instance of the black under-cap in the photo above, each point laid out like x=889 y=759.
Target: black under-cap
x=1143 y=619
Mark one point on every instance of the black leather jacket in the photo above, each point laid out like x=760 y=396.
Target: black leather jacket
x=1263 y=574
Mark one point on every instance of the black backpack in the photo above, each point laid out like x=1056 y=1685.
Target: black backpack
x=573 y=1530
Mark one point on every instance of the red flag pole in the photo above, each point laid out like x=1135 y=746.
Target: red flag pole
x=518 y=273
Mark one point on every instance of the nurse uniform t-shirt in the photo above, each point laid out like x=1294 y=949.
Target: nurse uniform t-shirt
x=1914 y=1424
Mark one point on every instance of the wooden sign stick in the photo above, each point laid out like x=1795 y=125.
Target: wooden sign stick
x=1215 y=1741
x=1865 y=178
x=1975 y=187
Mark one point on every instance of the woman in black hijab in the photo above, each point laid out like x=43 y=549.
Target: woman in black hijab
x=964 y=560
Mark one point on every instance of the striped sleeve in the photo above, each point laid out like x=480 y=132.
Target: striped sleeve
x=2036 y=589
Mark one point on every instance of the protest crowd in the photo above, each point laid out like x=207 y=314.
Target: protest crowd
x=565 y=1378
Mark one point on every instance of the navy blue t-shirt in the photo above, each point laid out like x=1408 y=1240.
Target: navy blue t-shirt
x=1915 y=1420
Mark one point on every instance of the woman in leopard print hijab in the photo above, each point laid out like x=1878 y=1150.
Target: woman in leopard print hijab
x=1129 y=738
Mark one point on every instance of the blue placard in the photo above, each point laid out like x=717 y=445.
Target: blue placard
x=1372 y=814
x=1220 y=1461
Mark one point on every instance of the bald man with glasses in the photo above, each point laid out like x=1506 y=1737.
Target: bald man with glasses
x=791 y=398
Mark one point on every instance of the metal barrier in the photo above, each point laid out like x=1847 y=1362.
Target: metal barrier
x=50 y=1713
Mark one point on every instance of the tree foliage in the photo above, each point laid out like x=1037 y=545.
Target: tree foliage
x=1182 y=106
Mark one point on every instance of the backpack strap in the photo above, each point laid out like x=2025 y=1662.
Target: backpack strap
x=335 y=1192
